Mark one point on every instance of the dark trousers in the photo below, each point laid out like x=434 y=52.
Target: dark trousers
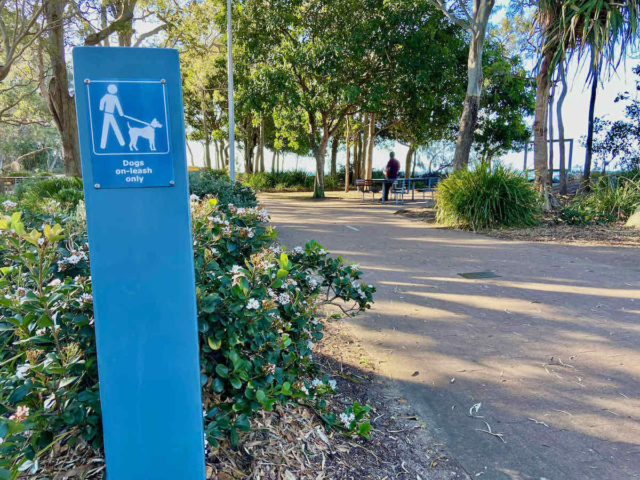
x=388 y=184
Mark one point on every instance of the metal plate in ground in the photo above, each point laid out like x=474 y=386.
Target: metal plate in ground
x=477 y=275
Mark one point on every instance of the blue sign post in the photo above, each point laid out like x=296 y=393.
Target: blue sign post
x=132 y=142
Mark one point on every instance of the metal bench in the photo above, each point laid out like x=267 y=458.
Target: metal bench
x=430 y=187
x=366 y=186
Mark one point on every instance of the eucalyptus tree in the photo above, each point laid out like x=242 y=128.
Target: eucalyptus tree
x=473 y=17
x=21 y=24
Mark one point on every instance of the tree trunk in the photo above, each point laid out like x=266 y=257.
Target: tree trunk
x=481 y=12
x=357 y=142
x=273 y=162
x=261 y=151
x=347 y=152
x=334 y=155
x=543 y=83
x=563 y=164
x=592 y=109
x=205 y=131
x=60 y=103
x=372 y=139
x=365 y=146
x=550 y=118
x=408 y=158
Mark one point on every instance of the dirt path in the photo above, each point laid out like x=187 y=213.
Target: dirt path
x=550 y=348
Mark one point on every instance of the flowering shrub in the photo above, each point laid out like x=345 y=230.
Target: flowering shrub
x=257 y=319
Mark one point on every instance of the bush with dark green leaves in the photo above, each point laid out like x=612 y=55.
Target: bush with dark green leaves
x=258 y=309
x=487 y=197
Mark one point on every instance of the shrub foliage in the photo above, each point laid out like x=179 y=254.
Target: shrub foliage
x=258 y=310
x=487 y=197
x=608 y=200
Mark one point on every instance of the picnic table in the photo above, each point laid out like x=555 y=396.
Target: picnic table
x=406 y=184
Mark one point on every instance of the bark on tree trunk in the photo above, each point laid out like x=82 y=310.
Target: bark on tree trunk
x=365 y=146
x=334 y=155
x=273 y=162
x=589 y=155
x=356 y=156
x=407 y=161
x=563 y=164
x=550 y=118
x=543 y=83
x=60 y=103
x=372 y=139
x=481 y=12
x=261 y=152
x=348 y=152
x=205 y=131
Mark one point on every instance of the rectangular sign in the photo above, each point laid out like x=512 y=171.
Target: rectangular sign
x=131 y=130
x=128 y=121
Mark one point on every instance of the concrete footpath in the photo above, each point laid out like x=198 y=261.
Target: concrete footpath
x=548 y=352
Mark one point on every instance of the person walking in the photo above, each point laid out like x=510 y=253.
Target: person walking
x=390 y=174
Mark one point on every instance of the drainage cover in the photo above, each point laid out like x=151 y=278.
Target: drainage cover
x=475 y=275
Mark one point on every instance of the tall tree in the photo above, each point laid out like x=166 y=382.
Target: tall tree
x=475 y=22
x=21 y=24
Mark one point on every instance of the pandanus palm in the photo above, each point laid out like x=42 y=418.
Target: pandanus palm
x=601 y=30
x=605 y=30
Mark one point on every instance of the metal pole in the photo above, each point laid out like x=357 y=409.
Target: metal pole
x=232 y=122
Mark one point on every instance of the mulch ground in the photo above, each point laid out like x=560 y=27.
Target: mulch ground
x=610 y=234
x=291 y=443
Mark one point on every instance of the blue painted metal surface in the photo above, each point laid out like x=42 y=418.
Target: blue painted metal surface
x=143 y=281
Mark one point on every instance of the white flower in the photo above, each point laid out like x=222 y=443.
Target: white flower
x=347 y=419
x=323 y=251
x=86 y=298
x=354 y=267
x=41 y=241
x=313 y=284
x=309 y=344
x=263 y=215
x=241 y=211
x=21 y=414
x=22 y=370
x=304 y=389
x=213 y=251
x=54 y=283
x=41 y=331
x=237 y=270
x=8 y=204
x=316 y=382
x=73 y=259
x=253 y=304
x=284 y=298
x=333 y=385
x=298 y=249
x=194 y=198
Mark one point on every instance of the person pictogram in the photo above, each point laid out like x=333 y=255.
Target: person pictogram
x=110 y=103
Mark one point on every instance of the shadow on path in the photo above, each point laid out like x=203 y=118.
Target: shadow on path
x=550 y=348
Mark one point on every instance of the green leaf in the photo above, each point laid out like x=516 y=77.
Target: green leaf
x=364 y=429
x=222 y=370
x=236 y=382
x=5 y=474
x=261 y=396
x=214 y=343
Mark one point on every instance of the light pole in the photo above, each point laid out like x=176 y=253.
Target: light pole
x=232 y=122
